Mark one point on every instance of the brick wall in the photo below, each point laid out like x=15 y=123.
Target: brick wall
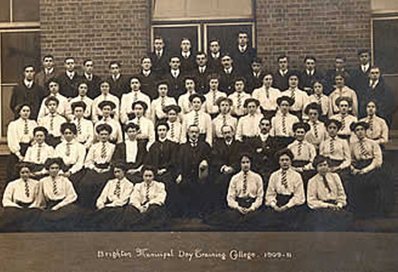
x=101 y=29
x=320 y=27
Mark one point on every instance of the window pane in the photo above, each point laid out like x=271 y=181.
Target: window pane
x=17 y=50
x=26 y=10
x=385 y=34
x=6 y=112
x=4 y=10
x=194 y=9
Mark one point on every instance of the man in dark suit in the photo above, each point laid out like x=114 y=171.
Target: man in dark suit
x=263 y=150
x=243 y=54
x=227 y=74
x=119 y=83
x=148 y=78
x=225 y=163
x=214 y=57
x=159 y=57
x=378 y=92
x=360 y=75
x=281 y=76
x=201 y=73
x=187 y=58
x=92 y=80
x=339 y=68
x=255 y=77
x=175 y=77
x=49 y=71
x=27 y=92
x=309 y=75
x=69 y=80
x=193 y=167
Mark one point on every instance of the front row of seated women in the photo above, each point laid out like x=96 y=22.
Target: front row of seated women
x=276 y=204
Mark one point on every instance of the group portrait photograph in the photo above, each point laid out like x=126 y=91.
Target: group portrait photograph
x=199 y=116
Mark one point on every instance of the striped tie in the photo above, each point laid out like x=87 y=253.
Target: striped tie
x=172 y=130
x=52 y=122
x=103 y=151
x=363 y=150
x=27 y=193
x=55 y=187
x=284 y=178
x=331 y=145
x=139 y=122
x=244 y=189
x=117 y=189
x=26 y=128
x=293 y=94
x=239 y=101
x=196 y=118
x=371 y=123
x=147 y=193
x=300 y=147
x=224 y=120
x=214 y=98
x=162 y=102
x=315 y=125
x=284 y=130
x=79 y=126
x=38 y=153
x=68 y=149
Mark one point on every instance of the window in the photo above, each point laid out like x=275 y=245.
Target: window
x=19 y=45
x=201 y=21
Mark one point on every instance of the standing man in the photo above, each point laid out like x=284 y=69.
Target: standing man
x=227 y=74
x=27 y=92
x=309 y=75
x=69 y=80
x=201 y=73
x=119 y=83
x=148 y=78
x=93 y=81
x=360 y=75
x=159 y=57
x=186 y=56
x=244 y=53
x=282 y=75
x=215 y=55
x=48 y=71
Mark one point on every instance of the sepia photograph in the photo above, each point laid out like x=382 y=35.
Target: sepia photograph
x=198 y=135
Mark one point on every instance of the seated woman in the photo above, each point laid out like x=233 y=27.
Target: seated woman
x=112 y=201
x=327 y=199
x=285 y=195
x=39 y=152
x=378 y=130
x=147 y=129
x=19 y=136
x=131 y=152
x=98 y=167
x=244 y=198
x=107 y=107
x=336 y=149
x=304 y=152
x=57 y=196
x=72 y=153
x=282 y=123
x=344 y=117
x=146 y=209
x=21 y=201
x=367 y=176
x=317 y=132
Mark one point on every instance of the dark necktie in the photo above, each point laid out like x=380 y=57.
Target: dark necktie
x=331 y=145
x=244 y=189
x=362 y=148
x=371 y=123
x=26 y=128
x=79 y=126
x=55 y=187
x=27 y=193
x=38 y=153
x=52 y=122
x=147 y=193
x=284 y=178
x=284 y=129
x=172 y=130
x=68 y=149
x=342 y=123
x=117 y=189
x=300 y=147
x=103 y=151
x=325 y=182
x=315 y=126
x=196 y=118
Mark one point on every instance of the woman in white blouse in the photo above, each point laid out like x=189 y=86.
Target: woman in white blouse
x=285 y=195
x=326 y=199
x=57 y=196
x=244 y=199
x=19 y=136
x=146 y=208
x=21 y=201
x=112 y=201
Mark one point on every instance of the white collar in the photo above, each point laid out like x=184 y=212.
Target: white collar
x=28 y=83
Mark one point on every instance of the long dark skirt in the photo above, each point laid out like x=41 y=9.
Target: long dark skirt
x=218 y=192
x=329 y=220
x=106 y=219
x=289 y=220
x=91 y=186
x=16 y=219
x=75 y=178
x=154 y=218
x=65 y=219
x=367 y=194
x=191 y=196
x=13 y=161
x=231 y=219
